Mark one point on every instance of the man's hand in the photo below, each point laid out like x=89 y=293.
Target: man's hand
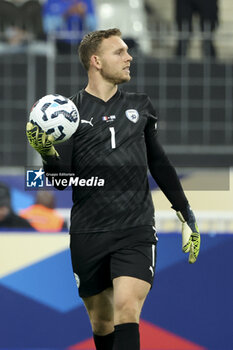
x=40 y=141
x=191 y=238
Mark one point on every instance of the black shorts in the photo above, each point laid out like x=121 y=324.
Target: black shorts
x=98 y=258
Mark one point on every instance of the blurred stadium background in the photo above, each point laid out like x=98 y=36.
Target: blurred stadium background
x=189 y=307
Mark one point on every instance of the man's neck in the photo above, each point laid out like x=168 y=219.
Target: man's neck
x=102 y=91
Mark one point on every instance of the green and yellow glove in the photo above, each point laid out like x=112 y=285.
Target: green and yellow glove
x=191 y=238
x=40 y=141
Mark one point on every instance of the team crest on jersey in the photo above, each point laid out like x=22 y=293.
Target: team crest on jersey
x=132 y=115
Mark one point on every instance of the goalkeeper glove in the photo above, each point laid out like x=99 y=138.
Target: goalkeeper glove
x=40 y=141
x=191 y=238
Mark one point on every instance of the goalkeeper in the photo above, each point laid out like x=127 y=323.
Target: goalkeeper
x=113 y=239
x=190 y=232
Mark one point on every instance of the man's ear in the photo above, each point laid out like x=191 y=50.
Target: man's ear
x=95 y=61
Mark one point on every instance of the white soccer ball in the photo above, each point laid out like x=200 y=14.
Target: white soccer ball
x=56 y=115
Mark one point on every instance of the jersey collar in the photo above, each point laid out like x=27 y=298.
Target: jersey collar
x=99 y=100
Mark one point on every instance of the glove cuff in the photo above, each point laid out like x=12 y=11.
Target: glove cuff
x=180 y=216
x=46 y=158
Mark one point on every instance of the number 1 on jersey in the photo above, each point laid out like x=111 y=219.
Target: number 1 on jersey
x=113 y=139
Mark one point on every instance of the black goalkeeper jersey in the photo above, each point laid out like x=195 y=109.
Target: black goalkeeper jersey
x=115 y=144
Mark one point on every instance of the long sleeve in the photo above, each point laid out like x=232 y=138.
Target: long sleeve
x=161 y=169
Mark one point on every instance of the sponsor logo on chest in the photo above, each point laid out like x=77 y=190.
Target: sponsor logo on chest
x=89 y=122
x=109 y=119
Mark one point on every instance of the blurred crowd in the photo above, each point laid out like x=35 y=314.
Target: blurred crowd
x=40 y=216
x=207 y=11
x=65 y=20
x=185 y=14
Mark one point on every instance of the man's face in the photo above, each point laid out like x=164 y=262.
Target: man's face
x=114 y=60
x=4 y=211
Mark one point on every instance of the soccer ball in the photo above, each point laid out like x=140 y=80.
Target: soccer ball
x=56 y=115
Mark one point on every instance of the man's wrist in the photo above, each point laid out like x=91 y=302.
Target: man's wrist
x=188 y=214
x=48 y=158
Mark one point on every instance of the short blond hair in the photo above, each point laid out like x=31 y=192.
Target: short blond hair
x=91 y=43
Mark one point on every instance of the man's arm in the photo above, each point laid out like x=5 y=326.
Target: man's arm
x=166 y=177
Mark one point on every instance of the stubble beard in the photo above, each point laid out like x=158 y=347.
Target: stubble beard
x=114 y=79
